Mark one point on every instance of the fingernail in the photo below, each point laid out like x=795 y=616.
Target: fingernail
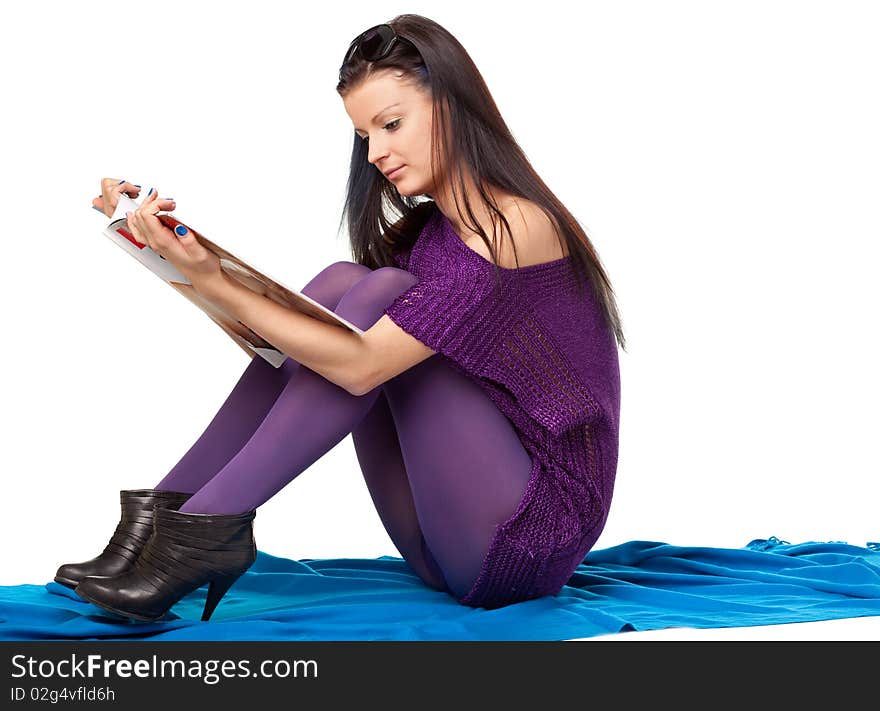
x=151 y=191
x=120 y=182
x=136 y=185
x=128 y=214
x=181 y=230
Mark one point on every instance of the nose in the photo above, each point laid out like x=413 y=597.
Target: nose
x=376 y=152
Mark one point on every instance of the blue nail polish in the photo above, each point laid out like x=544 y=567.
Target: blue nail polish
x=151 y=191
x=136 y=185
x=181 y=230
x=120 y=182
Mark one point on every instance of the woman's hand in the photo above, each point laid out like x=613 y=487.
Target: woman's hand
x=111 y=189
x=184 y=251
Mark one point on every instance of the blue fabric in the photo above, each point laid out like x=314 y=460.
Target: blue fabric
x=639 y=585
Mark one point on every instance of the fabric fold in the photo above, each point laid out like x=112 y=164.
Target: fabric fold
x=637 y=585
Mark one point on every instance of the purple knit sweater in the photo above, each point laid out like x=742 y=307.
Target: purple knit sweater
x=546 y=358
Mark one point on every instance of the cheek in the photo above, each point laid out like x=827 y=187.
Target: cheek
x=421 y=154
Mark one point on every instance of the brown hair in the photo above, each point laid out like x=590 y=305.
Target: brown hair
x=475 y=137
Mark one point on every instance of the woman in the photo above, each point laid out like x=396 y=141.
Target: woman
x=482 y=400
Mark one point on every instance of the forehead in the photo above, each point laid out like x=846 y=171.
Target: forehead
x=374 y=94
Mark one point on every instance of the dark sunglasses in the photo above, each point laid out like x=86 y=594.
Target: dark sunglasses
x=374 y=44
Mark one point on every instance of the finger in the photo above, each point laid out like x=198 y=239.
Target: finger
x=129 y=189
x=167 y=239
x=147 y=205
x=138 y=223
x=142 y=234
x=112 y=186
x=111 y=191
x=154 y=207
x=186 y=238
x=153 y=229
x=134 y=229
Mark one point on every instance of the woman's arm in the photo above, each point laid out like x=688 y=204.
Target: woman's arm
x=356 y=363
x=339 y=355
x=333 y=352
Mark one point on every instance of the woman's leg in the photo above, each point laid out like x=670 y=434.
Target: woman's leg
x=253 y=395
x=463 y=460
x=379 y=454
x=375 y=437
x=463 y=464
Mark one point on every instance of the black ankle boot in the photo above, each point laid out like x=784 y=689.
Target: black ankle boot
x=185 y=551
x=131 y=535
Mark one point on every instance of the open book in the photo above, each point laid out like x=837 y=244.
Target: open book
x=252 y=343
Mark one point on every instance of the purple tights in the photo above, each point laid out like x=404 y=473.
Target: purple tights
x=442 y=464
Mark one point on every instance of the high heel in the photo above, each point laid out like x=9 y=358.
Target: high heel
x=132 y=532
x=185 y=551
x=216 y=590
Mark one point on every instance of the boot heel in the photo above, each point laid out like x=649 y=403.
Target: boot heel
x=216 y=590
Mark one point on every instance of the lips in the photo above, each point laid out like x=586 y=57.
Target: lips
x=394 y=173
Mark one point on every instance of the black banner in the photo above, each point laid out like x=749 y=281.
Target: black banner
x=261 y=675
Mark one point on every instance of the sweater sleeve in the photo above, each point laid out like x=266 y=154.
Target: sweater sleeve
x=402 y=259
x=451 y=312
x=497 y=338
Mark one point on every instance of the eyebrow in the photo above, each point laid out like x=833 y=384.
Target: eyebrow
x=380 y=113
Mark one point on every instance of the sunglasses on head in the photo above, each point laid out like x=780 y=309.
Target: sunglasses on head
x=374 y=44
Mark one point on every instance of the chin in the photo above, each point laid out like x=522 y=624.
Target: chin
x=404 y=189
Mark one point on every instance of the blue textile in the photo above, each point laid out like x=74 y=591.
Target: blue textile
x=639 y=585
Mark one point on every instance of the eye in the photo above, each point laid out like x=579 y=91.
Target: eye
x=395 y=123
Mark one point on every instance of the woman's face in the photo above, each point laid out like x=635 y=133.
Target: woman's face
x=395 y=118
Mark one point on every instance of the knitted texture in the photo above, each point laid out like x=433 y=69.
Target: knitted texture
x=545 y=356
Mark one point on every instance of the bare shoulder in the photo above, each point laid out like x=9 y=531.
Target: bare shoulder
x=533 y=232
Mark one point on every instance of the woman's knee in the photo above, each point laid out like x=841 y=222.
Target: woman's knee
x=392 y=280
x=364 y=303
x=329 y=285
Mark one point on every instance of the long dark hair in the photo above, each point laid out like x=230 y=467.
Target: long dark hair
x=469 y=130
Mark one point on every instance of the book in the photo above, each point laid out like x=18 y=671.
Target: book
x=255 y=280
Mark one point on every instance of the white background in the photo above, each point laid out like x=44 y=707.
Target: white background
x=721 y=156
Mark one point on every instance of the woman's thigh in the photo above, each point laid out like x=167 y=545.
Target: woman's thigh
x=381 y=461
x=465 y=464
x=376 y=444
